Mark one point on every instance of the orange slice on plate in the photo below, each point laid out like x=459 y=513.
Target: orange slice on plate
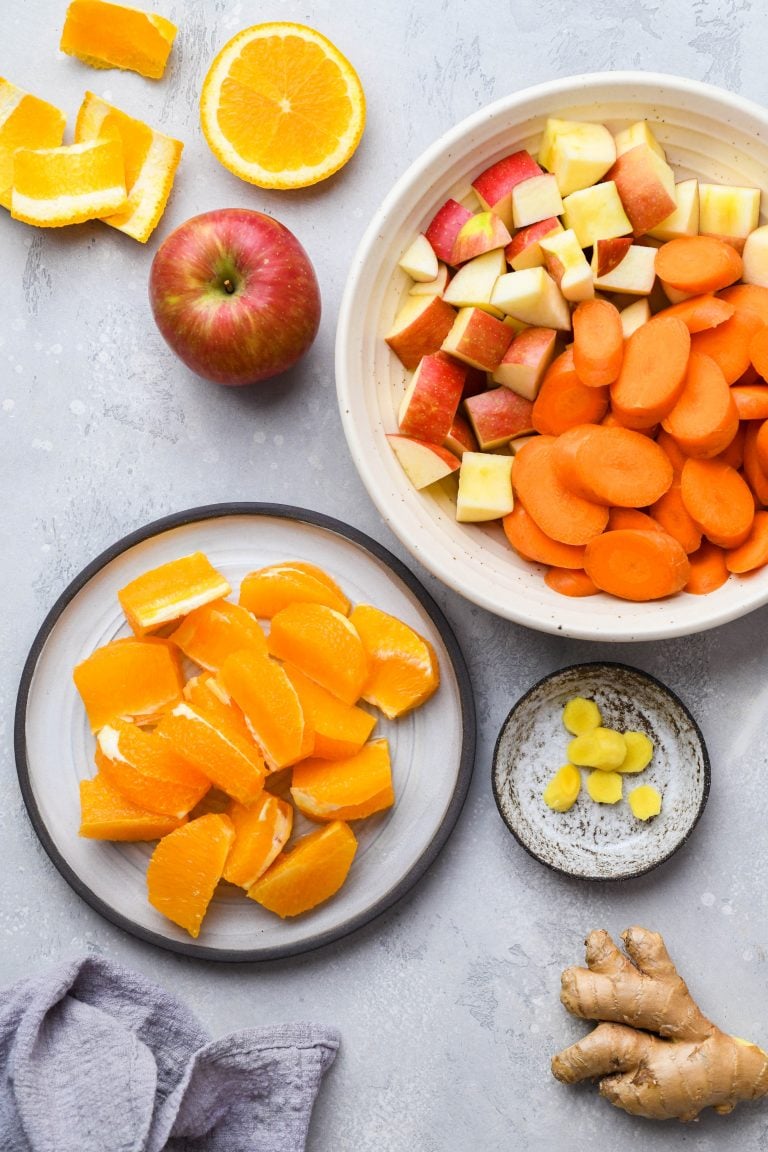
x=106 y=814
x=261 y=832
x=129 y=679
x=348 y=789
x=165 y=594
x=340 y=729
x=207 y=693
x=233 y=764
x=323 y=645
x=117 y=36
x=268 y=590
x=271 y=707
x=53 y=187
x=311 y=872
x=148 y=771
x=25 y=122
x=211 y=633
x=151 y=160
x=281 y=107
x=403 y=666
x=185 y=868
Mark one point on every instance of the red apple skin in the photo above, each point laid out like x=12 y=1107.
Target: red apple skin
x=445 y=227
x=610 y=253
x=498 y=416
x=260 y=328
x=529 y=237
x=435 y=393
x=643 y=196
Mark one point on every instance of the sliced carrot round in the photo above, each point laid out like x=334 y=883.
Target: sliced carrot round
x=653 y=372
x=613 y=466
x=598 y=342
x=570 y=582
x=673 y=450
x=718 y=500
x=750 y=296
x=751 y=401
x=708 y=570
x=705 y=418
x=701 y=312
x=631 y=518
x=758 y=352
x=753 y=553
x=755 y=475
x=672 y=516
x=728 y=344
x=761 y=445
x=698 y=264
x=564 y=401
x=636 y=565
x=525 y=536
x=733 y=454
x=559 y=513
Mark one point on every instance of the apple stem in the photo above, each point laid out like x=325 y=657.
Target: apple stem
x=229 y=286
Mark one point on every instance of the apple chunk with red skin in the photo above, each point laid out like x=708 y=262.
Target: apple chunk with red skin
x=608 y=254
x=423 y=463
x=419 y=329
x=445 y=227
x=526 y=360
x=494 y=185
x=524 y=250
x=478 y=339
x=461 y=438
x=483 y=232
x=646 y=186
x=498 y=416
x=235 y=296
x=431 y=399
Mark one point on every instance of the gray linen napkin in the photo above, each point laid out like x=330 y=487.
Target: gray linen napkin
x=94 y=1058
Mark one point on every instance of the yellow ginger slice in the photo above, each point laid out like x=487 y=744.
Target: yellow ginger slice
x=605 y=787
x=69 y=185
x=25 y=122
x=117 y=36
x=151 y=160
x=562 y=791
x=645 y=802
x=581 y=715
x=639 y=752
x=601 y=748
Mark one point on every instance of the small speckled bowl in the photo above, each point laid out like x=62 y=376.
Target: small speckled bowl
x=600 y=841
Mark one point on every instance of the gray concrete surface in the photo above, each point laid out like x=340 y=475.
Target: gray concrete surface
x=448 y=1006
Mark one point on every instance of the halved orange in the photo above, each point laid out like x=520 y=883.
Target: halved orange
x=312 y=871
x=147 y=770
x=323 y=645
x=281 y=107
x=165 y=594
x=53 y=187
x=131 y=679
x=106 y=814
x=268 y=590
x=403 y=666
x=232 y=763
x=117 y=36
x=25 y=122
x=185 y=868
x=340 y=729
x=271 y=707
x=348 y=789
x=261 y=832
x=150 y=157
x=211 y=633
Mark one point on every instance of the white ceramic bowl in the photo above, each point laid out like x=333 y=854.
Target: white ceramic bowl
x=706 y=132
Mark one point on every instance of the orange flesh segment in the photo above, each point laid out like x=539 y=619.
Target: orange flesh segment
x=185 y=868
x=106 y=814
x=403 y=666
x=116 y=36
x=311 y=872
x=348 y=789
x=271 y=707
x=25 y=122
x=214 y=631
x=261 y=832
x=231 y=763
x=268 y=590
x=131 y=679
x=54 y=187
x=148 y=771
x=324 y=645
x=208 y=695
x=163 y=595
x=340 y=729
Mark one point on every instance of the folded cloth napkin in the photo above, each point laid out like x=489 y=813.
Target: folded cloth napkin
x=94 y=1058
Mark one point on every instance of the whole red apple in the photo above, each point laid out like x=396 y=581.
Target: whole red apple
x=235 y=295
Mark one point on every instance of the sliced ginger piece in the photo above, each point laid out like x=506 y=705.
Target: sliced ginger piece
x=605 y=787
x=348 y=789
x=403 y=669
x=211 y=633
x=106 y=814
x=658 y=1055
x=311 y=872
x=602 y=748
x=165 y=594
x=130 y=679
x=26 y=121
x=267 y=591
x=185 y=868
x=645 y=802
x=581 y=715
x=117 y=36
x=53 y=187
x=261 y=832
x=562 y=791
x=639 y=752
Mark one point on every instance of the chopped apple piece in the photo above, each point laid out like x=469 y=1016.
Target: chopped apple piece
x=578 y=153
x=485 y=487
x=516 y=325
x=494 y=186
x=634 y=276
x=473 y=284
x=498 y=416
x=520 y=442
x=461 y=438
x=674 y=295
x=568 y=266
x=419 y=261
x=483 y=232
x=639 y=133
x=646 y=185
x=478 y=339
x=634 y=316
x=526 y=360
x=434 y=287
x=431 y=399
x=684 y=221
x=445 y=227
x=419 y=329
x=728 y=213
x=423 y=463
x=535 y=199
x=610 y=253
x=596 y=213
x=476 y=380
x=524 y=251
x=533 y=297
x=755 y=257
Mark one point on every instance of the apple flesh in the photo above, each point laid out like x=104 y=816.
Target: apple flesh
x=473 y=284
x=568 y=266
x=634 y=316
x=535 y=199
x=638 y=133
x=419 y=329
x=445 y=227
x=684 y=221
x=524 y=250
x=596 y=213
x=526 y=360
x=578 y=153
x=422 y=462
x=610 y=253
x=728 y=213
x=478 y=339
x=755 y=257
x=431 y=399
x=494 y=186
x=434 y=287
x=235 y=296
x=533 y=297
x=646 y=185
x=634 y=275
x=419 y=260
x=485 y=487
x=498 y=416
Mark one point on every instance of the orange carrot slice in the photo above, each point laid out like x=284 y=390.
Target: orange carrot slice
x=718 y=500
x=636 y=565
x=761 y=445
x=758 y=352
x=570 y=582
x=705 y=418
x=653 y=372
x=671 y=514
x=753 y=553
x=698 y=264
x=564 y=401
x=751 y=401
x=525 y=536
x=728 y=344
x=631 y=518
x=734 y=453
x=598 y=342
x=559 y=513
x=708 y=570
x=614 y=466
x=673 y=450
x=750 y=296
x=701 y=312
x=754 y=474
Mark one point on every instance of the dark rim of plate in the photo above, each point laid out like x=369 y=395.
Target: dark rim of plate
x=592 y=665
x=464 y=684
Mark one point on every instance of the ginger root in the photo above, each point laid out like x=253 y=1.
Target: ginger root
x=657 y=1055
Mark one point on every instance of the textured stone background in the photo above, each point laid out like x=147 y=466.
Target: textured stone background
x=448 y=1006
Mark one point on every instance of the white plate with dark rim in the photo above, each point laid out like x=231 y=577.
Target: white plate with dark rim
x=432 y=748
x=600 y=841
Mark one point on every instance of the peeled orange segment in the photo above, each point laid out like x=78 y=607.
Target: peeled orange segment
x=232 y=763
x=323 y=645
x=311 y=872
x=151 y=160
x=147 y=770
x=131 y=679
x=261 y=832
x=25 y=122
x=185 y=868
x=163 y=595
x=117 y=36
x=340 y=729
x=208 y=695
x=269 y=590
x=106 y=814
x=271 y=707
x=403 y=666
x=53 y=187
x=211 y=633
x=348 y=789
x=281 y=107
